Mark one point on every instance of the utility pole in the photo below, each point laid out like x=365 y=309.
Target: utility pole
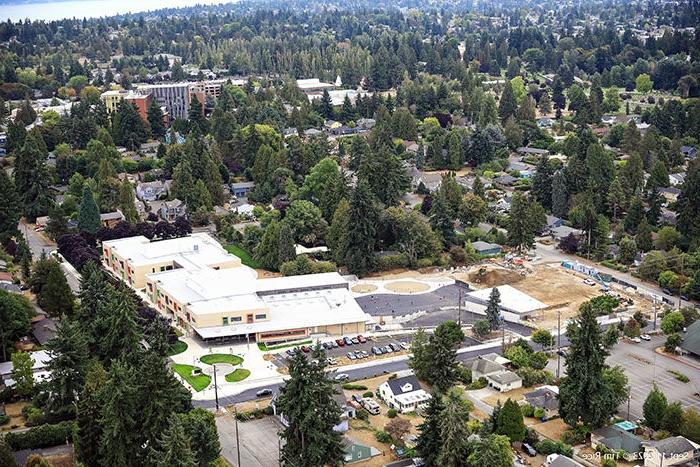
x=238 y=442
x=558 y=342
x=216 y=389
x=653 y=304
x=629 y=396
x=459 y=308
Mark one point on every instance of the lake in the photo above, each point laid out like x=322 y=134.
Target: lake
x=90 y=8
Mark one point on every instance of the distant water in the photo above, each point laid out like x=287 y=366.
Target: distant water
x=90 y=8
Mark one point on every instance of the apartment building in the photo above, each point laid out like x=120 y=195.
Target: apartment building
x=141 y=101
x=175 y=97
x=209 y=291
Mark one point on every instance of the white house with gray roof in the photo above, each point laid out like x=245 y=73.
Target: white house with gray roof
x=403 y=394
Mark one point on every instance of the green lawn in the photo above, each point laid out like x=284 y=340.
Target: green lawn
x=265 y=348
x=239 y=374
x=198 y=382
x=221 y=358
x=246 y=258
x=177 y=348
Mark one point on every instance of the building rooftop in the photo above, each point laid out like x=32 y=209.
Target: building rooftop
x=404 y=385
x=512 y=299
x=673 y=445
x=505 y=377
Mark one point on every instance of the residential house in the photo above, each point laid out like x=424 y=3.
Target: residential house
x=670 y=193
x=10 y=287
x=40 y=371
x=365 y=123
x=563 y=231
x=689 y=152
x=668 y=217
x=431 y=180
x=553 y=222
x=403 y=394
x=355 y=453
x=481 y=367
x=503 y=204
x=496 y=374
x=241 y=189
x=311 y=132
x=545 y=122
x=505 y=180
x=487 y=249
x=619 y=439
x=676 y=450
x=110 y=219
x=151 y=191
x=244 y=209
x=558 y=460
x=545 y=398
x=504 y=381
x=43 y=329
x=171 y=210
x=677 y=179
x=532 y=151
x=691 y=339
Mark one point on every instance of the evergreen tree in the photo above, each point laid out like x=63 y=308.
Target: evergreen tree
x=526 y=219
x=128 y=128
x=200 y=428
x=326 y=106
x=337 y=236
x=430 y=441
x=58 y=223
x=385 y=174
x=123 y=334
x=507 y=105
x=560 y=195
x=156 y=120
x=584 y=395
x=197 y=122
x=127 y=204
x=633 y=174
x=542 y=183
x=285 y=244
x=121 y=441
x=634 y=215
x=616 y=196
x=183 y=182
x=173 y=448
x=267 y=250
x=306 y=400
x=441 y=356
x=654 y=408
x=441 y=220
x=6 y=457
x=70 y=352
x=478 y=188
x=643 y=238
x=10 y=208
x=363 y=230
x=493 y=309
x=454 y=432
x=32 y=179
x=494 y=451
x=89 y=214
x=510 y=422
x=673 y=418
x=658 y=177
x=688 y=202
x=55 y=296
x=88 y=423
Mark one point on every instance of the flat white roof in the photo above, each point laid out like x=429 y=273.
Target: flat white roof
x=41 y=359
x=324 y=279
x=195 y=250
x=287 y=311
x=512 y=299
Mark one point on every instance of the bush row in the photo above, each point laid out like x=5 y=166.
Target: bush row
x=41 y=436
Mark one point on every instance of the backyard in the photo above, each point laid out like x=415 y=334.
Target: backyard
x=246 y=257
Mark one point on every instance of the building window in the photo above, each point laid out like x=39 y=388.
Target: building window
x=235 y=318
x=263 y=316
x=224 y=321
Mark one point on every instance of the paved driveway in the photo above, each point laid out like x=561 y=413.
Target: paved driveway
x=258 y=438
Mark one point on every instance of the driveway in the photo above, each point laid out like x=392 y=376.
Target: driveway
x=258 y=441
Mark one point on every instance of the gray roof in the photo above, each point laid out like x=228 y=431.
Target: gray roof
x=563 y=461
x=691 y=339
x=532 y=150
x=505 y=179
x=44 y=330
x=485 y=366
x=543 y=398
x=673 y=445
x=617 y=438
x=396 y=384
x=243 y=185
x=484 y=246
x=10 y=287
x=505 y=377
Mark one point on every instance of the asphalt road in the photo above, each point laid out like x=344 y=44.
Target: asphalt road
x=37 y=243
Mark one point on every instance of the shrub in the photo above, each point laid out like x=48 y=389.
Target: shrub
x=41 y=437
x=547 y=447
x=673 y=341
x=464 y=375
x=4 y=419
x=478 y=384
x=539 y=412
x=531 y=376
x=527 y=410
x=679 y=376
x=575 y=435
x=33 y=415
x=354 y=387
x=389 y=262
x=391 y=413
x=362 y=414
x=383 y=437
x=368 y=394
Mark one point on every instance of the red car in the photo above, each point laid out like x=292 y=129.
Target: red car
x=305 y=348
x=361 y=339
x=340 y=342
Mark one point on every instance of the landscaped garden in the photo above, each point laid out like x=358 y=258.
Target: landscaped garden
x=192 y=375
x=177 y=348
x=215 y=358
x=246 y=258
x=239 y=374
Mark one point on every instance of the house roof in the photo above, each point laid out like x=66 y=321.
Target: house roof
x=691 y=339
x=562 y=461
x=617 y=438
x=505 y=377
x=505 y=179
x=485 y=366
x=44 y=330
x=404 y=385
x=543 y=397
x=673 y=445
x=484 y=246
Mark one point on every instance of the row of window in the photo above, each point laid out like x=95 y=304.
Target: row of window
x=225 y=321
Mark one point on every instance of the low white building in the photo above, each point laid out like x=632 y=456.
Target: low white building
x=40 y=371
x=492 y=368
x=515 y=305
x=403 y=394
x=676 y=450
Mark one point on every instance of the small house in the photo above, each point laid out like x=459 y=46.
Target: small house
x=241 y=189
x=171 y=210
x=487 y=249
x=403 y=394
x=677 y=179
x=110 y=219
x=676 y=450
x=619 y=439
x=504 y=381
x=525 y=151
x=545 y=398
x=505 y=180
x=553 y=222
x=151 y=191
x=689 y=152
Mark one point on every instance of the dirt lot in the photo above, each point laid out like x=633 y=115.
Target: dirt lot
x=14 y=411
x=551 y=429
x=364 y=288
x=407 y=287
x=514 y=395
x=490 y=276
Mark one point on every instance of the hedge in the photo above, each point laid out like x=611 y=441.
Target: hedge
x=354 y=387
x=41 y=437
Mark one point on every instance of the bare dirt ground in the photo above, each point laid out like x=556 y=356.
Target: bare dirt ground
x=490 y=276
x=551 y=429
x=364 y=288
x=407 y=287
x=514 y=395
x=14 y=411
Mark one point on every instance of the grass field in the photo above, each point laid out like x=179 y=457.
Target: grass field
x=246 y=258
x=221 y=358
x=177 y=348
x=198 y=382
x=265 y=348
x=239 y=374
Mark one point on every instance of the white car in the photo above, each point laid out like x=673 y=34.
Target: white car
x=589 y=282
x=636 y=340
x=341 y=377
x=645 y=337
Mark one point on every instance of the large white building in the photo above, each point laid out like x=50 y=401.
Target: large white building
x=515 y=305
x=209 y=291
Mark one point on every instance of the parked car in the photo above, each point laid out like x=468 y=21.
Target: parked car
x=291 y=351
x=645 y=337
x=387 y=349
x=348 y=341
x=355 y=340
x=529 y=450
x=365 y=354
x=361 y=339
x=341 y=377
x=351 y=355
x=667 y=291
x=376 y=351
x=331 y=361
x=305 y=348
x=357 y=398
x=562 y=352
x=264 y=392
x=395 y=347
x=589 y=281
x=334 y=344
x=404 y=345
x=340 y=342
x=327 y=345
